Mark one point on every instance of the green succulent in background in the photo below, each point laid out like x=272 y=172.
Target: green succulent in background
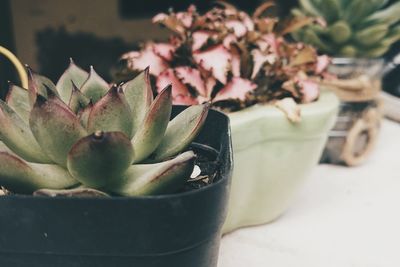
x=81 y=135
x=354 y=28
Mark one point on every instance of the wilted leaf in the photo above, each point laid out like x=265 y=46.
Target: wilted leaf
x=290 y=108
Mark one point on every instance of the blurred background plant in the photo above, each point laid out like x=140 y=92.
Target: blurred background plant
x=42 y=33
x=357 y=28
x=231 y=58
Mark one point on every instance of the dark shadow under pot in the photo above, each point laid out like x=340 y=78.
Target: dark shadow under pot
x=177 y=230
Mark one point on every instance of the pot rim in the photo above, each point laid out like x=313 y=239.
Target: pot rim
x=148 y=197
x=325 y=103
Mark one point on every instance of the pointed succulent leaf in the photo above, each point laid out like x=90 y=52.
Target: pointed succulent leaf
x=75 y=192
x=139 y=95
x=159 y=178
x=55 y=127
x=393 y=36
x=111 y=113
x=388 y=15
x=154 y=125
x=376 y=51
x=72 y=73
x=38 y=84
x=94 y=87
x=18 y=99
x=78 y=100
x=23 y=177
x=17 y=136
x=330 y=10
x=181 y=131
x=83 y=114
x=100 y=159
x=371 y=35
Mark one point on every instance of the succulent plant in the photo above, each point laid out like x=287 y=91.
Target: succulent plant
x=227 y=55
x=356 y=28
x=89 y=137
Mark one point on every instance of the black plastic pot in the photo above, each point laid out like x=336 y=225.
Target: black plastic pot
x=178 y=230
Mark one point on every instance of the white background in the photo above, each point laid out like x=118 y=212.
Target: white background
x=343 y=217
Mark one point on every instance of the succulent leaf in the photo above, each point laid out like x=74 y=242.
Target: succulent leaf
x=78 y=100
x=152 y=130
x=371 y=35
x=348 y=51
x=111 y=113
x=311 y=37
x=390 y=15
x=139 y=96
x=100 y=159
x=151 y=179
x=20 y=176
x=18 y=99
x=181 y=131
x=330 y=9
x=340 y=32
x=38 y=84
x=356 y=28
x=83 y=115
x=15 y=133
x=94 y=87
x=55 y=127
x=72 y=73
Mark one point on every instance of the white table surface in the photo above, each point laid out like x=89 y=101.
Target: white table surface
x=343 y=217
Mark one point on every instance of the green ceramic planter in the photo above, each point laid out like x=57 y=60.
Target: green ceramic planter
x=273 y=158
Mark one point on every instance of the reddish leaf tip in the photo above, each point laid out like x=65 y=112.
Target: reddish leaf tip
x=167 y=90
